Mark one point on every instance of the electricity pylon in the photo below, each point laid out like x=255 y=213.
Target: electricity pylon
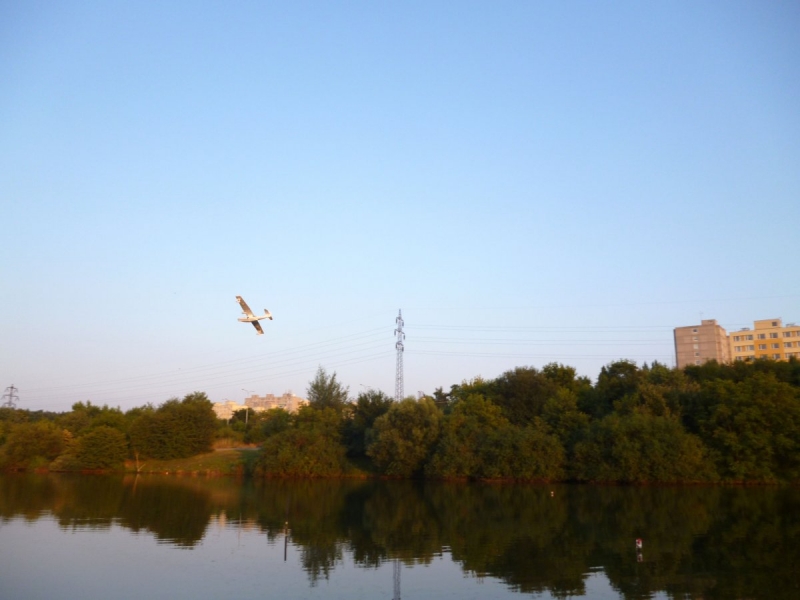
x=11 y=397
x=398 y=396
x=398 y=380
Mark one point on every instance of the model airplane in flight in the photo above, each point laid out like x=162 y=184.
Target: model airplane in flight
x=251 y=318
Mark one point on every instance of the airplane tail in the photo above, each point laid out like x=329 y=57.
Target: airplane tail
x=268 y=314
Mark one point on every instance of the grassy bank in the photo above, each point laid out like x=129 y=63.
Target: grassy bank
x=223 y=461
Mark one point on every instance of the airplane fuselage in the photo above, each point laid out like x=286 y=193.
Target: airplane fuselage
x=254 y=318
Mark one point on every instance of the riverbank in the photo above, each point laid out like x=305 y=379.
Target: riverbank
x=223 y=461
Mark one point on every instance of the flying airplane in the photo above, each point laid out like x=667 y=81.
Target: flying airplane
x=251 y=318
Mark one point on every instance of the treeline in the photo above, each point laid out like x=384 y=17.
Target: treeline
x=709 y=423
x=92 y=437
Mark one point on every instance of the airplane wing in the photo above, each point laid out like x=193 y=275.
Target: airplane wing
x=257 y=325
x=244 y=306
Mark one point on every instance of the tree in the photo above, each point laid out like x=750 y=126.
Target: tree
x=522 y=393
x=527 y=453
x=616 y=380
x=402 y=439
x=87 y=416
x=32 y=445
x=565 y=419
x=103 y=447
x=369 y=405
x=267 y=424
x=641 y=448
x=752 y=428
x=649 y=398
x=311 y=448
x=176 y=429
x=464 y=432
x=324 y=391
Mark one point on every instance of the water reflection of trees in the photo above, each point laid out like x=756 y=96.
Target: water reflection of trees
x=707 y=542
x=174 y=510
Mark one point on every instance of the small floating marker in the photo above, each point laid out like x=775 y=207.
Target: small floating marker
x=638 y=543
x=552 y=494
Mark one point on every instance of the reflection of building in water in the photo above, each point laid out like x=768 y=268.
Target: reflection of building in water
x=288 y=402
x=222 y=520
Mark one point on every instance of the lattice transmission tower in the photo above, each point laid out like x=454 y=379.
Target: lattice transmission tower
x=398 y=380
x=10 y=397
x=398 y=396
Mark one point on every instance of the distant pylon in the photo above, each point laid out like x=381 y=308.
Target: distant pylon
x=398 y=380
x=11 y=397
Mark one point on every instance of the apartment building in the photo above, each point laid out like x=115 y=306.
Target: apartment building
x=769 y=338
x=224 y=410
x=288 y=401
x=697 y=344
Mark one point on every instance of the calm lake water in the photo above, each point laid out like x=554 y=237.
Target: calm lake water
x=171 y=537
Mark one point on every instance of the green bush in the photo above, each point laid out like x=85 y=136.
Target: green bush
x=523 y=453
x=311 y=448
x=102 y=448
x=752 y=428
x=32 y=445
x=641 y=448
x=177 y=429
x=402 y=439
x=464 y=434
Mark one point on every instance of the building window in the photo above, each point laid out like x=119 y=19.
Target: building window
x=773 y=335
x=697 y=362
x=774 y=323
x=775 y=346
x=762 y=346
x=762 y=336
x=751 y=347
x=694 y=330
x=787 y=344
x=787 y=334
x=776 y=356
x=750 y=337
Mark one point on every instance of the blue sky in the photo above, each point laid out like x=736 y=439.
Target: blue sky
x=530 y=182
